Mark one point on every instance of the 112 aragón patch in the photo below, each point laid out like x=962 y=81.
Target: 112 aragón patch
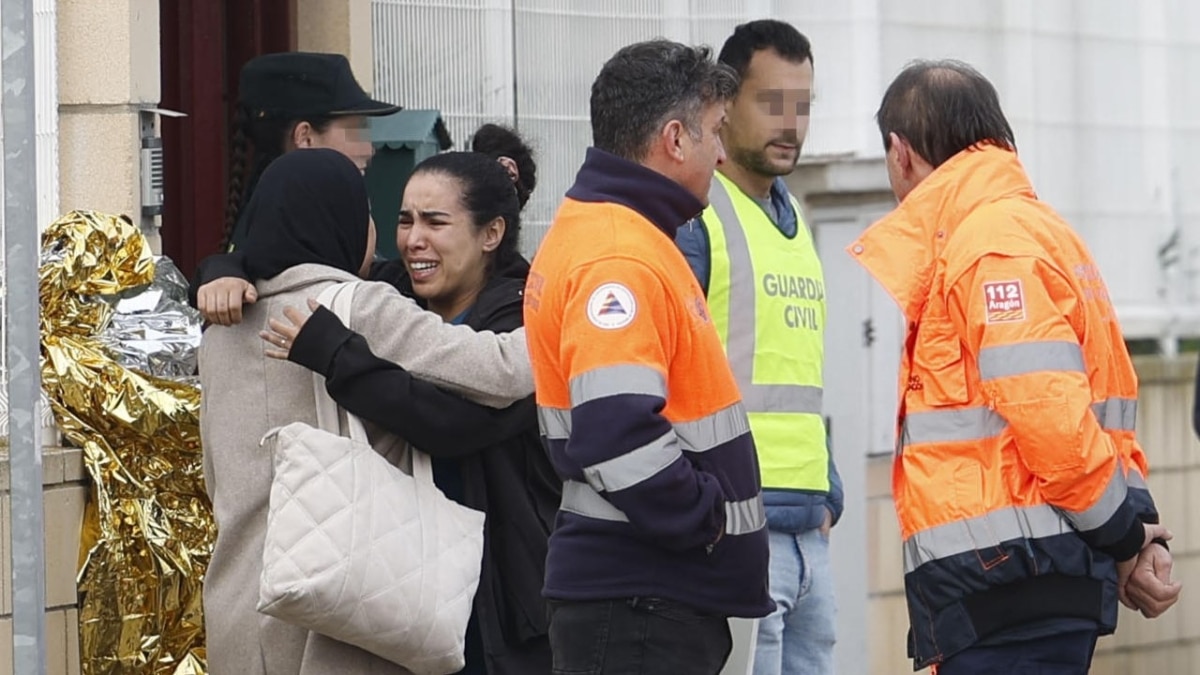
x=1005 y=301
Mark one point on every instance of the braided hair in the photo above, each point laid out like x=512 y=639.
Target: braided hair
x=254 y=144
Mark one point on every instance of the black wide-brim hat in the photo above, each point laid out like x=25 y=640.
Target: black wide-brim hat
x=305 y=84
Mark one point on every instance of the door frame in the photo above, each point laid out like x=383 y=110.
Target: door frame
x=855 y=392
x=204 y=44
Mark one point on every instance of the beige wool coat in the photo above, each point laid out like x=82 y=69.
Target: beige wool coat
x=245 y=394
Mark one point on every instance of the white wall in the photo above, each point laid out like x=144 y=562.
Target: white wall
x=1104 y=103
x=1102 y=95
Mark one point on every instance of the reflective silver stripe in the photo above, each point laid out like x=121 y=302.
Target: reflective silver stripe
x=697 y=436
x=946 y=426
x=745 y=516
x=794 y=398
x=982 y=533
x=1117 y=414
x=614 y=380
x=972 y=424
x=1029 y=357
x=581 y=499
x=742 y=517
x=716 y=429
x=555 y=423
x=740 y=341
x=1104 y=508
x=634 y=466
x=1134 y=480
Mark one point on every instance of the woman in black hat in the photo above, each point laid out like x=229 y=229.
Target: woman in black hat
x=290 y=101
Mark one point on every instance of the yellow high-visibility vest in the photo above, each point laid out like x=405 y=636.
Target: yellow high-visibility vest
x=766 y=294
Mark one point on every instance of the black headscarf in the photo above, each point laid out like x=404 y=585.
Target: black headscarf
x=310 y=206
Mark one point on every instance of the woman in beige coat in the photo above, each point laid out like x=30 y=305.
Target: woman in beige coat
x=311 y=229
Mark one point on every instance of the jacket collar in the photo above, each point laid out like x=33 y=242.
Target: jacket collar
x=902 y=249
x=505 y=288
x=605 y=177
x=781 y=200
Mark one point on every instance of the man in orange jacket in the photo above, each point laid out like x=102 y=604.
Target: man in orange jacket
x=1018 y=480
x=661 y=534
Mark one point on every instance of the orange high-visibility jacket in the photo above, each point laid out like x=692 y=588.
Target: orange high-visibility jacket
x=1017 y=478
x=639 y=410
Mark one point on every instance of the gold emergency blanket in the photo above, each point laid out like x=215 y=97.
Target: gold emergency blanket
x=148 y=530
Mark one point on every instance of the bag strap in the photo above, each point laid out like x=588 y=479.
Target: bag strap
x=338 y=298
x=422 y=467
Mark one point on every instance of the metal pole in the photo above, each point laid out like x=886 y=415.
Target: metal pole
x=21 y=314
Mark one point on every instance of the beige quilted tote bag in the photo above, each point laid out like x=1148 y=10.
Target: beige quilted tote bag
x=360 y=551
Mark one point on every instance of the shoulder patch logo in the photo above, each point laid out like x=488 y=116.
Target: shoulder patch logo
x=1005 y=301
x=611 y=306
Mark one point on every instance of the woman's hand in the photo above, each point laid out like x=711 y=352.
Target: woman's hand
x=281 y=336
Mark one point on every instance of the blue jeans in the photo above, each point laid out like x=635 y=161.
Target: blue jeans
x=797 y=638
x=636 y=636
x=1065 y=654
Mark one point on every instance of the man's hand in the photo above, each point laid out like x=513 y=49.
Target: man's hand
x=1150 y=587
x=220 y=301
x=1125 y=569
x=827 y=524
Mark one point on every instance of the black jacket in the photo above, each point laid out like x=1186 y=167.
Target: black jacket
x=506 y=472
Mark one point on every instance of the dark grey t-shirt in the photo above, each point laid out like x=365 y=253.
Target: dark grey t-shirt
x=770 y=207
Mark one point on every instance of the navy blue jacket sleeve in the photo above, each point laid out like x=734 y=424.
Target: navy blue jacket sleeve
x=692 y=240
x=626 y=447
x=835 y=500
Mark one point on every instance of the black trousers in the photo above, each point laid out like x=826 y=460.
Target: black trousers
x=636 y=636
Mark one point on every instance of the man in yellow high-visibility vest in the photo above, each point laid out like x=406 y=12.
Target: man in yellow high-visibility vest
x=755 y=259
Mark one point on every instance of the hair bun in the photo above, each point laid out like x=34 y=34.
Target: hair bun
x=498 y=141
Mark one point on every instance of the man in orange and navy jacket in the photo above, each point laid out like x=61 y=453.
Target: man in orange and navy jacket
x=1018 y=480
x=662 y=532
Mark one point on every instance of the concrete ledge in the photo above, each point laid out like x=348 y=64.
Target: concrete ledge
x=1178 y=370
x=59 y=465
x=840 y=175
